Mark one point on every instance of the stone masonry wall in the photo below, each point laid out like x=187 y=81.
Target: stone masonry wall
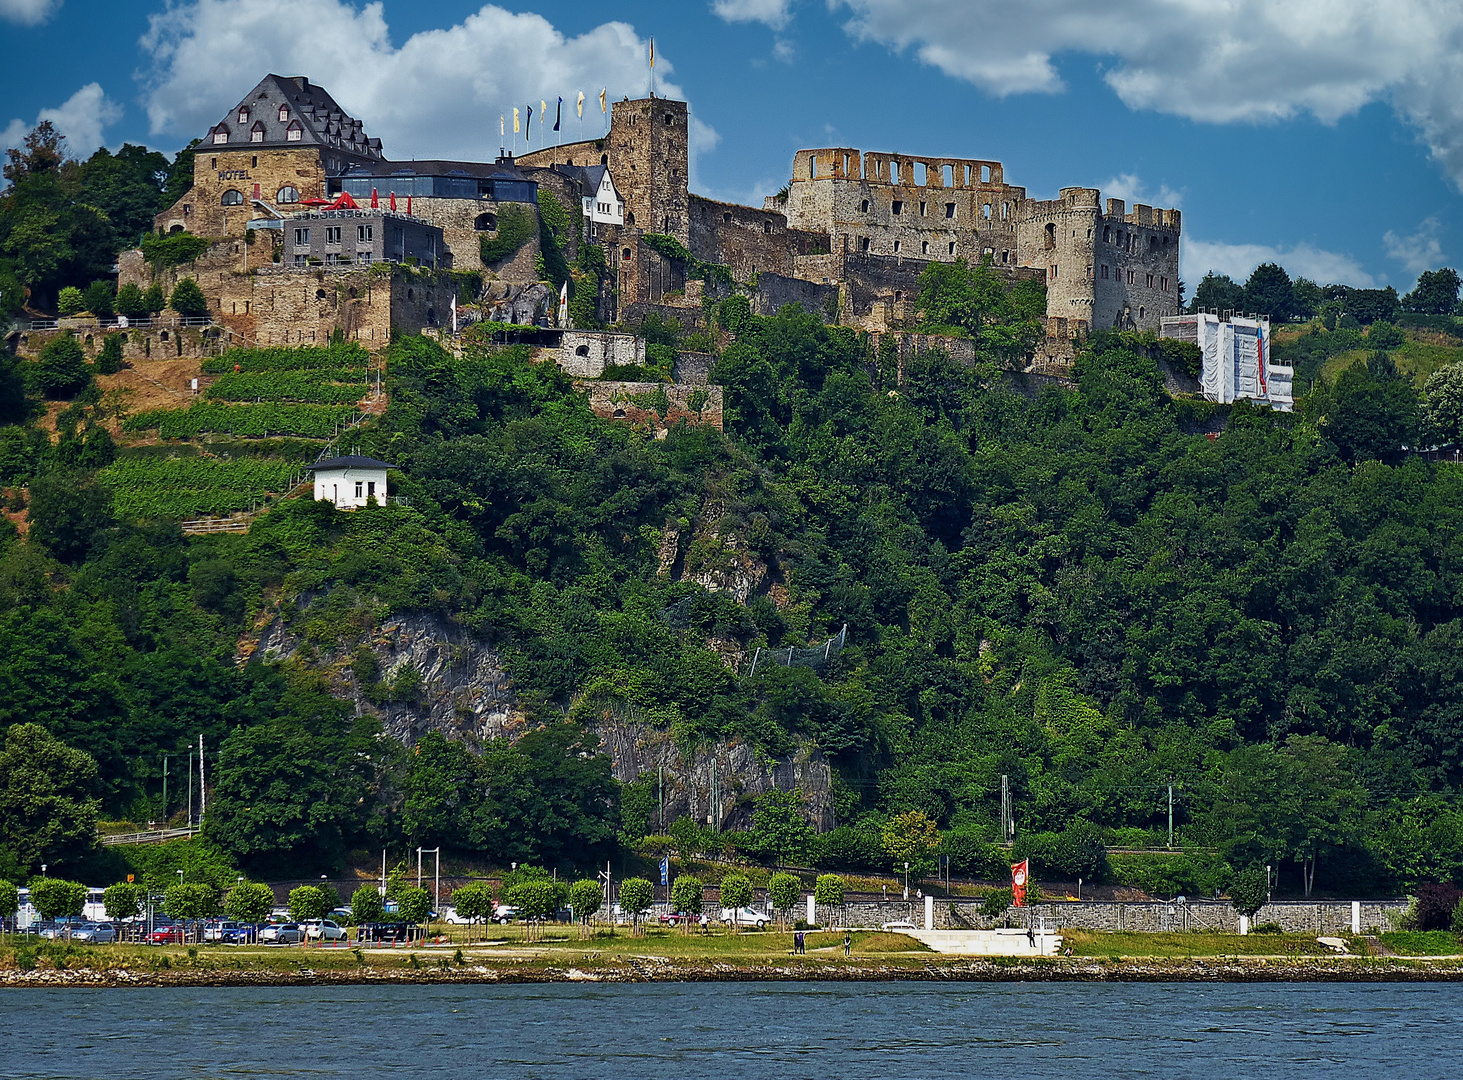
x=257 y=174
x=584 y=353
x=657 y=406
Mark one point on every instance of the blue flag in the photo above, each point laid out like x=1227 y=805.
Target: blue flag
x=665 y=869
x=559 y=115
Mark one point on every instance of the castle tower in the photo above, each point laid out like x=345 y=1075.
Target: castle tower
x=648 y=159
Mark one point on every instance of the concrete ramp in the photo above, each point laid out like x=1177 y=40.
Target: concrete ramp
x=989 y=942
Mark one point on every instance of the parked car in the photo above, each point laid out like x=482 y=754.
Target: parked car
x=342 y=915
x=388 y=932
x=680 y=918
x=449 y=915
x=504 y=913
x=324 y=930
x=240 y=934
x=94 y=933
x=281 y=934
x=745 y=917
x=165 y=934
x=216 y=930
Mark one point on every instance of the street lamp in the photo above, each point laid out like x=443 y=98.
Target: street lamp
x=906 y=881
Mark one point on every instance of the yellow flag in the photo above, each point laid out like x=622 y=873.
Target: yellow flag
x=543 y=110
x=652 y=54
x=516 y=128
x=501 y=132
x=602 y=106
x=580 y=106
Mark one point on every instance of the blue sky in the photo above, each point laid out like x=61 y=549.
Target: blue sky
x=1327 y=133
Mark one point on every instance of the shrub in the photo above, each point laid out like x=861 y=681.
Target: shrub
x=1383 y=335
x=57 y=898
x=188 y=300
x=61 y=368
x=1249 y=891
x=130 y=302
x=70 y=302
x=109 y=360
x=829 y=890
x=174 y=249
x=153 y=300
x=249 y=901
x=100 y=296
x=995 y=903
x=1436 y=904
x=515 y=225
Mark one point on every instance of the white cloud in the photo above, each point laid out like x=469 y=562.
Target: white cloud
x=438 y=94
x=783 y=50
x=1130 y=188
x=1198 y=257
x=1218 y=61
x=774 y=13
x=27 y=12
x=1418 y=252
x=81 y=118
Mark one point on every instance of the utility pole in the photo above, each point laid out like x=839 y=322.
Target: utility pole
x=1008 y=826
x=660 y=771
x=190 y=787
x=1170 y=816
x=165 y=790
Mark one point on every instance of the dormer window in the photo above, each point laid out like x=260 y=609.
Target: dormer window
x=243 y=114
x=256 y=133
x=220 y=136
x=284 y=114
x=294 y=132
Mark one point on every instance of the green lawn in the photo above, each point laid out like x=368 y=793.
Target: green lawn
x=1416 y=358
x=1422 y=943
x=1098 y=943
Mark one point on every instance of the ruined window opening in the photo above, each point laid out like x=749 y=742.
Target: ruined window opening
x=411 y=294
x=485 y=223
x=351 y=292
x=232 y=197
x=924 y=247
x=1150 y=281
x=604 y=159
x=898 y=207
x=893 y=172
x=1051 y=235
x=896 y=247
x=625 y=254
x=863 y=244
x=630 y=219
x=1054 y=271
x=812 y=167
x=950 y=210
x=985 y=174
x=947 y=174
x=1005 y=210
x=767 y=227
x=952 y=247
x=581 y=350
x=966 y=168
x=898 y=297
x=1104 y=272
x=1005 y=257
x=1142 y=312
x=1152 y=242
x=921 y=209
x=319 y=294
x=1130 y=277
x=988 y=251
x=726 y=218
x=213 y=163
x=669 y=120
x=985 y=211
x=864 y=207
x=1107 y=234
x=1089 y=272
x=1120 y=238
x=921 y=173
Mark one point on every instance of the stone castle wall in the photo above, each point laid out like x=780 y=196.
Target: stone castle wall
x=257 y=174
x=657 y=406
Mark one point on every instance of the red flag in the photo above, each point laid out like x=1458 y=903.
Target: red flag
x=408 y=205
x=393 y=200
x=375 y=205
x=1018 y=882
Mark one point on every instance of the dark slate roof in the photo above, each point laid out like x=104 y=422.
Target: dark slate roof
x=351 y=461
x=322 y=121
x=482 y=170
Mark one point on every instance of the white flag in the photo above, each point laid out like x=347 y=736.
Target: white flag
x=564 y=304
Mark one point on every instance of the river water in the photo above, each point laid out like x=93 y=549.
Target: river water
x=740 y=1031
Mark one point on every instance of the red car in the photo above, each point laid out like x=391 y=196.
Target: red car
x=166 y=935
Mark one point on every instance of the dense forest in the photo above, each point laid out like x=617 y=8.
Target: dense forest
x=1118 y=600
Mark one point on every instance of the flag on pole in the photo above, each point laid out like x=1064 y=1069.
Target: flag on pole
x=454 y=315
x=528 y=126
x=602 y=106
x=652 y=54
x=580 y=106
x=559 y=114
x=408 y=205
x=1019 y=873
x=564 y=304
x=393 y=201
x=375 y=204
x=502 y=132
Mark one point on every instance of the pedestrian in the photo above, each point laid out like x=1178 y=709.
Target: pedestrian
x=847 y=943
x=1031 y=936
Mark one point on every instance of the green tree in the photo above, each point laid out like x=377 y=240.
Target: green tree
x=1218 y=292
x=99 y=298
x=109 y=360
x=537 y=901
x=1269 y=292
x=1249 y=891
x=70 y=514
x=736 y=893
x=1442 y=405
x=57 y=898
x=153 y=299
x=636 y=896
x=249 y=902
x=585 y=898
x=48 y=803
x=1306 y=297
x=1370 y=414
x=9 y=900
x=61 y=367
x=996 y=903
x=1436 y=293
x=473 y=901
x=911 y=840
x=778 y=826
x=188 y=299
x=70 y=301
x=829 y=891
x=441 y=785
x=783 y=890
x=686 y=897
x=124 y=900
x=309 y=902
x=130 y=301
x=192 y=902
x=413 y=904
x=368 y=905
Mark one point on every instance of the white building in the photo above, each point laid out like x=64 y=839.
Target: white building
x=604 y=206
x=1236 y=358
x=349 y=482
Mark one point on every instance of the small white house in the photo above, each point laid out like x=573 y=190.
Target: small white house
x=350 y=481
x=604 y=206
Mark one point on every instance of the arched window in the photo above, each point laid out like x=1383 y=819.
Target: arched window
x=485 y=222
x=232 y=197
x=175 y=229
x=1107 y=234
x=287 y=194
x=629 y=219
x=1051 y=236
x=581 y=350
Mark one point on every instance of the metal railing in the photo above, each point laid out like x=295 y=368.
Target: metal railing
x=149 y=836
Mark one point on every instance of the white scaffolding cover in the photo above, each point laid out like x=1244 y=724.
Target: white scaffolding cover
x=1236 y=358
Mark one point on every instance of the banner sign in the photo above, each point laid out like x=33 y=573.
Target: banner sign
x=665 y=870
x=1018 y=883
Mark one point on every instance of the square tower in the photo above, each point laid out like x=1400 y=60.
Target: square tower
x=648 y=157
